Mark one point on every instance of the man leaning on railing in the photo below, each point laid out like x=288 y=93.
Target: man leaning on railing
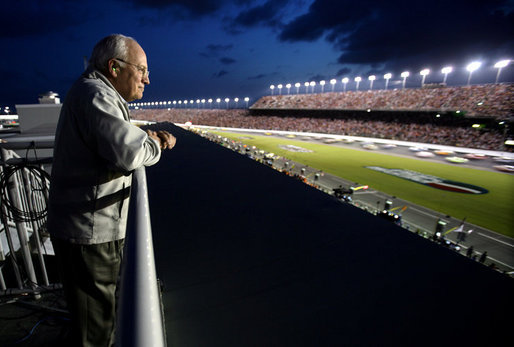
x=96 y=149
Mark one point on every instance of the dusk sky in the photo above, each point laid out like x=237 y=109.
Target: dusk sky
x=238 y=48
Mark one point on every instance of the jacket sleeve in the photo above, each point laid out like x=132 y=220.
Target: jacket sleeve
x=121 y=144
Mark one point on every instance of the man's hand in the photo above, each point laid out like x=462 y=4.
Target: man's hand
x=165 y=139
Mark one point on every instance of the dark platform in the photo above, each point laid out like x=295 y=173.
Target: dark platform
x=251 y=257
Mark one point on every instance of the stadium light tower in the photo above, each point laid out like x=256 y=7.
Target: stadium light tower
x=424 y=73
x=246 y=100
x=472 y=67
x=387 y=77
x=210 y=103
x=288 y=86
x=218 y=100
x=345 y=81
x=357 y=80
x=446 y=70
x=203 y=103
x=500 y=65
x=312 y=84
x=227 y=100
x=404 y=75
x=322 y=84
x=272 y=87
x=279 y=89
x=237 y=101
x=371 y=79
x=197 y=103
x=333 y=82
x=306 y=84
x=297 y=85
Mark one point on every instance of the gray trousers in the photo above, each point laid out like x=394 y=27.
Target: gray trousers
x=89 y=274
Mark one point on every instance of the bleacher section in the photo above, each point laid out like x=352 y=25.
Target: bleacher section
x=490 y=100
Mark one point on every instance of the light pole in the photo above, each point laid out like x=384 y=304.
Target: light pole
x=345 y=81
x=333 y=83
x=272 y=87
x=237 y=101
x=500 y=65
x=203 y=103
x=472 y=67
x=197 y=103
x=446 y=70
x=279 y=89
x=404 y=74
x=288 y=86
x=357 y=80
x=322 y=84
x=297 y=85
x=185 y=103
x=246 y=100
x=227 y=100
x=210 y=103
x=371 y=79
x=312 y=84
x=424 y=73
x=306 y=84
x=387 y=77
x=218 y=100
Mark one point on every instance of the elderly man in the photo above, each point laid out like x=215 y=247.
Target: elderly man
x=96 y=149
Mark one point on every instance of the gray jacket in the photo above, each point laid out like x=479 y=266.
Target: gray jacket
x=96 y=148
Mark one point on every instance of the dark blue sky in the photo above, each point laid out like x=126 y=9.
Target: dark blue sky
x=237 y=48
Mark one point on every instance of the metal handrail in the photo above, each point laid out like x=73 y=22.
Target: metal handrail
x=140 y=319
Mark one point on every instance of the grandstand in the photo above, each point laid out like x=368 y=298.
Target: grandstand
x=442 y=116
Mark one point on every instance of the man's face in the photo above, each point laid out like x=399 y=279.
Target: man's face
x=130 y=80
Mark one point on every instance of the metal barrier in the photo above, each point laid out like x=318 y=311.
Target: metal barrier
x=140 y=317
x=23 y=195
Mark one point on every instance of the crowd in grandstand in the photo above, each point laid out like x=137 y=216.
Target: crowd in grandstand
x=386 y=120
x=425 y=133
x=493 y=100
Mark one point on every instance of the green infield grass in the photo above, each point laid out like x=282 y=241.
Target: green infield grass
x=493 y=210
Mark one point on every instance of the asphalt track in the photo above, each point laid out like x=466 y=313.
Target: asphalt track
x=499 y=248
x=251 y=257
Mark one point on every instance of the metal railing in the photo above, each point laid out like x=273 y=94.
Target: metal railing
x=140 y=316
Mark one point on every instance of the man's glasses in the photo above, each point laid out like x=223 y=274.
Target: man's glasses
x=144 y=71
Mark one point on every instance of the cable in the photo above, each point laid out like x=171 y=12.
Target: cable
x=26 y=337
x=39 y=181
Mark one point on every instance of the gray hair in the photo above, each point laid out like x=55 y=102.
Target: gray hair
x=112 y=46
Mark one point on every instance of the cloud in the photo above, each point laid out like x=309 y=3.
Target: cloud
x=186 y=8
x=377 y=32
x=263 y=14
x=227 y=60
x=257 y=77
x=220 y=74
x=215 y=50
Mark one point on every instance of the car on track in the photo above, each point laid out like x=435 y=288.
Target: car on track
x=457 y=160
x=504 y=168
x=475 y=156
x=425 y=154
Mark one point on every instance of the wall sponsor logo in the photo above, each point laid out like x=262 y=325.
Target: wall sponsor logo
x=432 y=181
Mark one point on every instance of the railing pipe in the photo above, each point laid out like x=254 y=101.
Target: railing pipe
x=140 y=319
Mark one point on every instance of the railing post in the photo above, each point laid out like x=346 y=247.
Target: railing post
x=139 y=316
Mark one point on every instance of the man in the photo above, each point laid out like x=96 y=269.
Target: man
x=96 y=149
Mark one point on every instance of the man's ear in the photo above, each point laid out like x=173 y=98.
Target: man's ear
x=113 y=68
